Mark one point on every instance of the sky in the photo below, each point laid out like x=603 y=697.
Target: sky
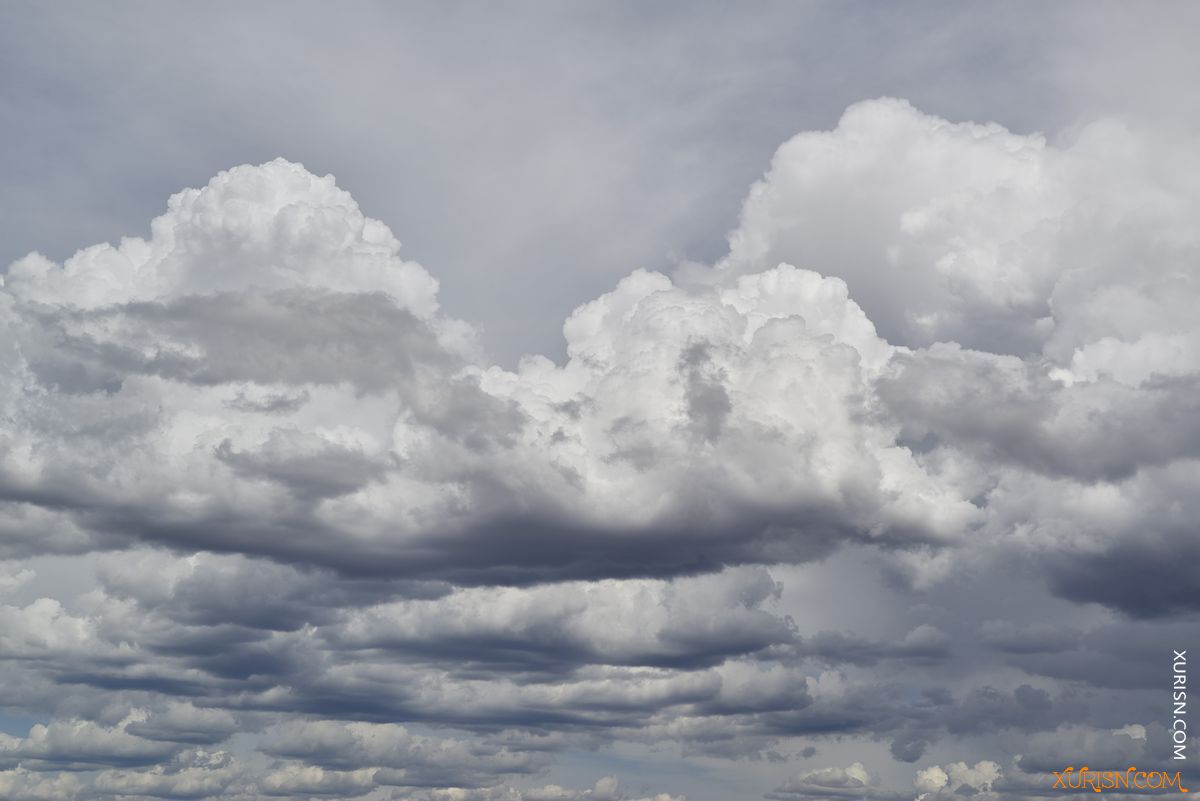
x=595 y=401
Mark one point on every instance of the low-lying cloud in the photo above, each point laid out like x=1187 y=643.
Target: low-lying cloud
x=339 y=554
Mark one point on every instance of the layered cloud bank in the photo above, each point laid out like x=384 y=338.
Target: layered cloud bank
x=342 y=556
x=267 y=376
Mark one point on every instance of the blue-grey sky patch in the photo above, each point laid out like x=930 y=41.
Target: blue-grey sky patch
x=594 y=402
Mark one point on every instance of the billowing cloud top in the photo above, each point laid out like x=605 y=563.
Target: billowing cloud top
x=328 y=520
x=265 y=375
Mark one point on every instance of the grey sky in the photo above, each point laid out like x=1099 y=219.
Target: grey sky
x=528 y=154
x=863 y=466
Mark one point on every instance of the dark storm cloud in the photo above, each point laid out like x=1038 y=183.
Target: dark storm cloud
x=1121 y=654
x=1150 y=576
x=516 y=550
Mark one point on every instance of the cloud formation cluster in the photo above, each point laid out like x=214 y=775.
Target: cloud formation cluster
x=338 y=554
x=276 y=381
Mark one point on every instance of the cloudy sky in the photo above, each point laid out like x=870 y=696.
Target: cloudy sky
x=795 y=401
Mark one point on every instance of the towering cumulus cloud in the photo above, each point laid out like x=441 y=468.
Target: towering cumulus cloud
x=266 y=376
x=338 y=555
